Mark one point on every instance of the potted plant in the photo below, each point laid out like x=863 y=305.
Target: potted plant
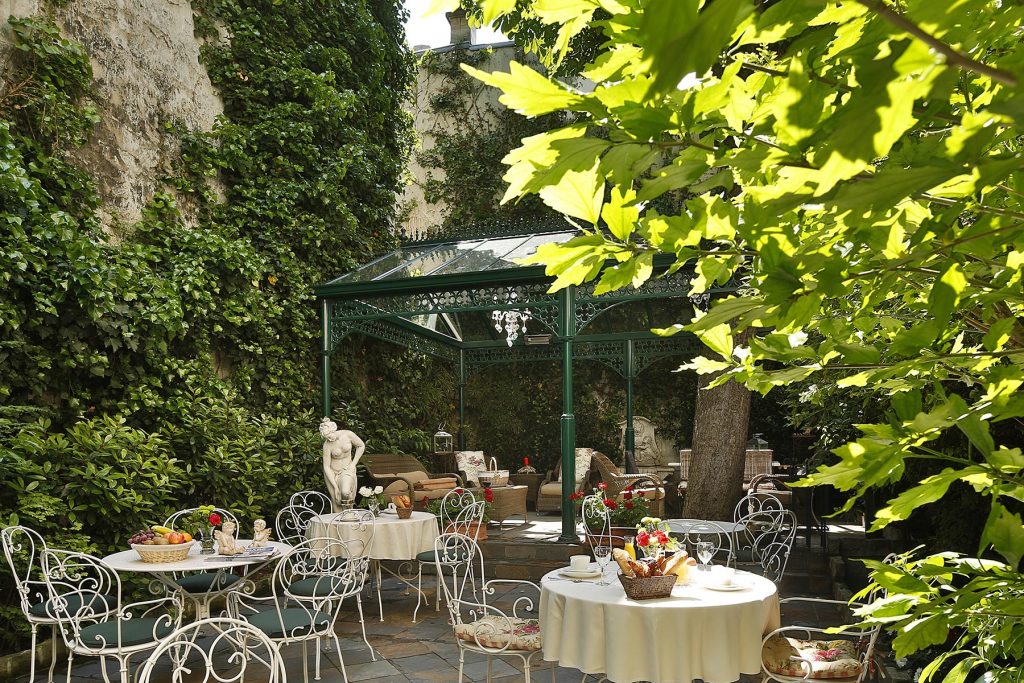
x=454 y=505
x=625 y=512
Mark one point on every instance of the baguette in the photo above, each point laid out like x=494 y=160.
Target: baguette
x=622 y=558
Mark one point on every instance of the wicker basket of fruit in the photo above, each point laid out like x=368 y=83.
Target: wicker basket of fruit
x=160 y=544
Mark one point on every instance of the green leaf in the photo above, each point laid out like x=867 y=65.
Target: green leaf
x=718 y=339
x=1005 y=532
x=945 y=293
x=526 y=91
x=619 y=213
x=579 y=194
x=492 y=9
x=928 y=491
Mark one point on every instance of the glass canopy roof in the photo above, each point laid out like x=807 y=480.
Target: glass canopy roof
x=452 y=258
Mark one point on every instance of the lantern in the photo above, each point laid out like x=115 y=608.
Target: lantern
x=443 y=442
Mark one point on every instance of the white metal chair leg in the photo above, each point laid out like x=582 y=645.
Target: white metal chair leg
x=341 y=660
x=554 y=666
x=526 y=670
x=69 y=668
x=53 y=655
x=362 y=623
x=316 y=669
x=419 y=590
x=32 y=657
x=305 y=663
x=489 y=674
x=380 y=602
x=462 y=660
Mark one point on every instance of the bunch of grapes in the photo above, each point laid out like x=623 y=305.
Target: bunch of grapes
x=141 y=537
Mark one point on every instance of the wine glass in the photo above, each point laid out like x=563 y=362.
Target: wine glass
x=603 y=554
x=705 y=551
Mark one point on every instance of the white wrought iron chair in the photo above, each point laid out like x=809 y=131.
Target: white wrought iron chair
x=201 y=588
x=766 y=540
x=307 y=590
x=692 y=531
x=756 y=501
x=23 y=549
x=788 y=654
x=88 y=626
x=227 y=657
x=293 y=520
x=460 y=511
x=480 y=625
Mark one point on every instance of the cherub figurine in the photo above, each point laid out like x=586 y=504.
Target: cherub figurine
x=226 y=539
x=260 y=534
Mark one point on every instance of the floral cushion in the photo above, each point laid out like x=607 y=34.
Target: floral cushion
x=471 y=463
x=495 y=632
x=828 y=658
x=583 y=458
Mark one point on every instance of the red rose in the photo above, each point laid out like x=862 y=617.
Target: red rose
x=575 y=496
x=662 y=537
x=459 y=492
x=602 y=486
x=643 y=539
x=214 y=518
x=629 y=505
x=610 y=504
x=627 y=495
x=628 y=488
x=489 y=495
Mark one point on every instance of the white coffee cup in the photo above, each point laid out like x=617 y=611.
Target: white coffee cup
x=579 y=562
x=725 y=575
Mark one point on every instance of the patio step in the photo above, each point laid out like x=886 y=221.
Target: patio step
x=516 y=559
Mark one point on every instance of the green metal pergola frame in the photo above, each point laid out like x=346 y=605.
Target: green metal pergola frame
x=382 y=309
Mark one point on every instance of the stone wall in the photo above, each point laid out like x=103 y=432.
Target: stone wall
x=145 y=60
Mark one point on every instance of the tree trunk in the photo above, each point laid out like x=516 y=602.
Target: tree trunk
x=720 y=427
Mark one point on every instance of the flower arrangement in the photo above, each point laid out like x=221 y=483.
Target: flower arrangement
x=372 y=498
x=200 y=523
x=652 y=536
x=627 y=511
x=460 y=501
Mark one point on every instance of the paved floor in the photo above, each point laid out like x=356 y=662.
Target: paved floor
x=406 y=652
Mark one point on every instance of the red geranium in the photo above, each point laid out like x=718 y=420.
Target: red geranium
x=627 y=495
x=610 y=504
x=459 y=492
x=629 y=505
x=602 y=486
x=489 y=495
x=214 y=518
x=576 y=496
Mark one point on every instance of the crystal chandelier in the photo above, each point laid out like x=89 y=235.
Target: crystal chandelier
x=511 y=321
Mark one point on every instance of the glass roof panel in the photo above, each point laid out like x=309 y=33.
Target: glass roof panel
x=528 y=247
x=433 y=260
x=385 y=264
x=482 y=257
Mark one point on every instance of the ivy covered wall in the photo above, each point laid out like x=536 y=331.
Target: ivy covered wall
x=167 y=361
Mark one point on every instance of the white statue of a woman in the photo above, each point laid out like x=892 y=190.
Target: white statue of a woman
x=340 y=463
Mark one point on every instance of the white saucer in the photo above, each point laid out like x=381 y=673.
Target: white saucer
x=726 y=588
x=570 y=573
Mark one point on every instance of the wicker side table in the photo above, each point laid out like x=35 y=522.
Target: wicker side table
x=509 y=501
x=532 y=482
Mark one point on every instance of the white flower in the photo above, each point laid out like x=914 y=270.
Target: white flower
x=365 y=491
x=378 y=490
x=797 y=339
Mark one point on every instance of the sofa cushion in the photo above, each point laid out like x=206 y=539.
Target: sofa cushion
x=400 y=487
x=828 y=659
x=499 y=632
x=583 y=458
x=553 y=488
x=470 y=463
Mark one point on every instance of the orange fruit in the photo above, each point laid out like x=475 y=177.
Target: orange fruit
x=187 y=536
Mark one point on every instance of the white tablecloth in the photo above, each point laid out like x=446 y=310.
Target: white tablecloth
x=393 y=538
x=129 y=560
x=695 y=633
x=682 y=526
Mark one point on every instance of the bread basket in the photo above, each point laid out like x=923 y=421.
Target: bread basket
x=156 y=554
x=402 y=512
x=647 y=588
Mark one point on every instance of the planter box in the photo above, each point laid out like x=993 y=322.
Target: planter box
x=474 y=530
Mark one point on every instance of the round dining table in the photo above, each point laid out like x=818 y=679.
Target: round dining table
x=696 y=633
x=165 y=572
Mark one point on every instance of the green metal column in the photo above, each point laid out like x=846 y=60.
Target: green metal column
x=567 y=330
x=462 y=399
x=325 y=358
x=630 y=435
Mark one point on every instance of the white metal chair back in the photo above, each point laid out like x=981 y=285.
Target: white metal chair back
x=235 y=650
x=460 y=510
x=461 y=557
x=693 y=531
x=180 y=518
x=756 y=501
x=312 y=500
x=292 y=523
x=78 y=583
x=597 y=522
x=768 y=537
x=23 y=548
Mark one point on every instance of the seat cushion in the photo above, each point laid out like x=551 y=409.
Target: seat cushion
x=829 y=659
x=138 y=631
x=293 y=621
x=317 y=587
x=470 y=463
x=427 y=556
x=94 y=603
x=206 y=581
x=552 y=489
x=497 y=632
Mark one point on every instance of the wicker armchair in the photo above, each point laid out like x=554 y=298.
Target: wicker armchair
x=399 y=474
x=643 y=484
x=549 y=495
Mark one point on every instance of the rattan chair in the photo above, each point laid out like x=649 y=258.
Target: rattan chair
x=644 y=485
